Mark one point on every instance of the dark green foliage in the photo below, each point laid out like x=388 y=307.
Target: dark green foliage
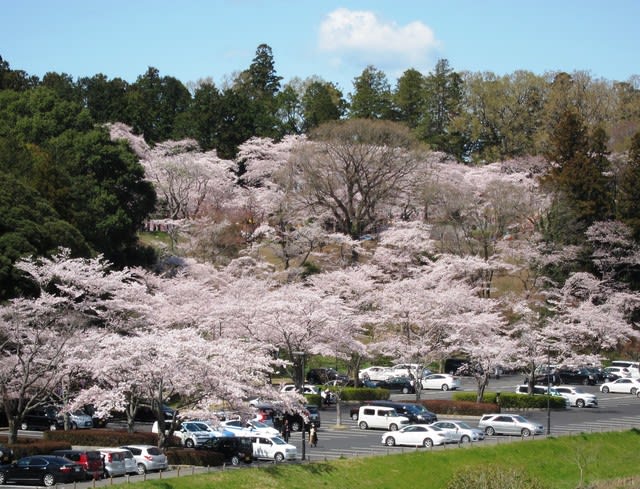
x=101 y=437
x=511 y=400
x=371 y=98
x=321 y=102
x=629 y=189
x=460 y=408
x=26 y=447
x=363 y=393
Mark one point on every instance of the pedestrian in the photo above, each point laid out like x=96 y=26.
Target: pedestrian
x=313 y=436
x=286 y=431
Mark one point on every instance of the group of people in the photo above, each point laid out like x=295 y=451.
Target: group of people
x=285 y=430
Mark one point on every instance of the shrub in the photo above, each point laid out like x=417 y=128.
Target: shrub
x=468 y=408
x=101 y=438
x=511 y=400
x=189 y=456
x=363 y=394
x=34 y=447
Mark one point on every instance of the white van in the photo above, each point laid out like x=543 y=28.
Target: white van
x=381 y=417
x=633 y=367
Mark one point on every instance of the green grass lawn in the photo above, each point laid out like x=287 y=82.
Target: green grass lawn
x=557 y=463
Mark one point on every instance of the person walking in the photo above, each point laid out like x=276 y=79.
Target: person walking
x=286 y=431
x=313 y=436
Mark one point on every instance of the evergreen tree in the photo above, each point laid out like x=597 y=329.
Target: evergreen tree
x=629 y=189
x=372 y=96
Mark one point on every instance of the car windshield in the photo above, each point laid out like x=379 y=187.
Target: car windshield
x=416 y=408
x=463 y=425
x=200 y=426
x=579 y=390
x=520 y=419
x=278 y=441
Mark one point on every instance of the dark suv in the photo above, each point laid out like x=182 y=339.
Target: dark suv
x=324 y=375
x=416 y=413
x=235 y=449
x=42 y=419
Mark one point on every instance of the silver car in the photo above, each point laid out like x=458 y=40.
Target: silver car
x=509 y=424
x=149 y=458
x=459 y=431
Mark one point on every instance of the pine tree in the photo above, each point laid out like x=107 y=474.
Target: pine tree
x=629 y=189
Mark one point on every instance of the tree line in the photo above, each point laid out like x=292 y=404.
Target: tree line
x=477 y=117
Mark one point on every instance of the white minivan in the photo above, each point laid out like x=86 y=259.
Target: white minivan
x=272 y=448
x=633 y=367
x=381 y=417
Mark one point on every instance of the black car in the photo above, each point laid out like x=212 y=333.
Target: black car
x=235 y=449
x=44 y=470
x=42 y=419
x=324 y=375
x=401 y=384
x=567 y=375
x=6 y=455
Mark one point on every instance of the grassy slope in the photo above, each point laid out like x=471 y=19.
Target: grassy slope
x=557 y=463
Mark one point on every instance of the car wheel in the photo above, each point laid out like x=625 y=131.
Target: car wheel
x=362 y=425
x=427 y=442
x=465 y=439
x=586 y=382
x=53 y=427
x=405 y=390
x=73 y=426
x=142 y=469
x=490 y=431
x=605 y=389
x=24 y=426
x=189 y=443
x=525 y=432
x=580 y=403
x=48 y=480
x=278 y=457
x=235 y=460
x=3 y=478
x=296 y=426
x=445 y=387
x=354 y=416
x=390 y=441
x=393 y=427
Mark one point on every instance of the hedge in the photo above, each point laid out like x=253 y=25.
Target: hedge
x=102 y=437
x=363 y=394
x=455 y=408
x=511 y=400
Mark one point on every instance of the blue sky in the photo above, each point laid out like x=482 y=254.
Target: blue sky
x=335 y=40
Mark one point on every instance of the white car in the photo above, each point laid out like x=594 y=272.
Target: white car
x=193 y=434
x=624 y=385
x=577 y=396
x=415 y=435
x=443 y=382
x=459 y=431
x=380 y=417
x=248 y=428
x=306 y=389
x=272 y=448
x=374 y=373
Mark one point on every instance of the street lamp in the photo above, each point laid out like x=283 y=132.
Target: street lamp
x=300 y=385
x=548 y=369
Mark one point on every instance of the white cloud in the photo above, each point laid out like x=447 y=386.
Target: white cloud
x=362 y=37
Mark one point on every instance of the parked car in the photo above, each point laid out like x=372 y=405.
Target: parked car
x=272 y=448
x=370 y=416
x=410 y=370
x=415 y=435
x=398 y=384
x=113 y=461
x=6 y=455
x=235 y=449
x=457 y=366
x=577 y=396
x=91 y=460
x=245 y=428
x=459 y=431
x=614 y=373
x=443 y=382
x=416 y=413
x=44 y=470
x=509 y=424
x=193 y=434
x=374 y=373
x=324 y=375
x=79 y=420
x=541 y=390
x=632 y=366
x=42 y=419
x=130 y=463
x=306 y=389
x=149 y=458
x=624 y=385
